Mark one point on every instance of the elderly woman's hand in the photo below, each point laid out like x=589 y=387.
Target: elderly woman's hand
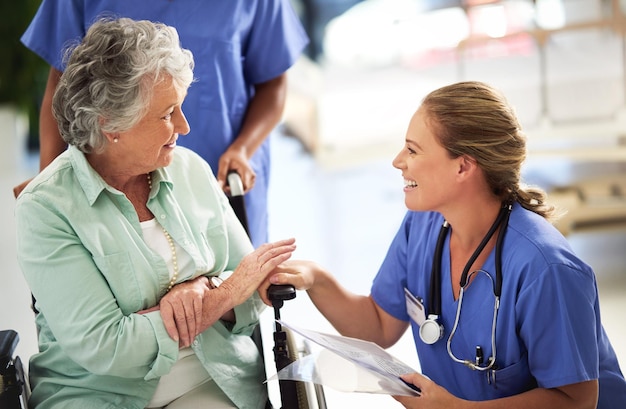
x=255 y=267
x=191 y=307
x=182 y=309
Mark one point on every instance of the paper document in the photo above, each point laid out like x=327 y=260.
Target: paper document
x=373 y=369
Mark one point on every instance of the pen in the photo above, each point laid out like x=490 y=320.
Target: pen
x=410 y=385
x=479 y=355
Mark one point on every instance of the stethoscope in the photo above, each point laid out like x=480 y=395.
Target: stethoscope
x=431 y=330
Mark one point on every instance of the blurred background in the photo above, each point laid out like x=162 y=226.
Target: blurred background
x=561 y=63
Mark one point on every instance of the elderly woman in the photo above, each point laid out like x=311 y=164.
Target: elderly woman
x=121 y=248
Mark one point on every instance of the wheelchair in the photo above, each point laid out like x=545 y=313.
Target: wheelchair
x=13 y=386
x=15 y=389
x=293 y=394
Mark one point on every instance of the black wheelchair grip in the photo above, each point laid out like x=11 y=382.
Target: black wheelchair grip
x=8 y=343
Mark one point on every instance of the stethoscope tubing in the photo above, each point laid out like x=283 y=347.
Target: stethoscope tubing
x=492 y=359
x=434 y=304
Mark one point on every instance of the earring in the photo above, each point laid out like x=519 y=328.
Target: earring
x=116 y=139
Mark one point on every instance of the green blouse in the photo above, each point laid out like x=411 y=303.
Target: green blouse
x=81 y=250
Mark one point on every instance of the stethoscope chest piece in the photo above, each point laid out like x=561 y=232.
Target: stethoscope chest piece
x=430 y=330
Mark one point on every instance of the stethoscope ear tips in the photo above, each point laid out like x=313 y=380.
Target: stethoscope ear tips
x=430 y=330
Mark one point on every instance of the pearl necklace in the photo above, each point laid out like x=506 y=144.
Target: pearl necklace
x=170 y=242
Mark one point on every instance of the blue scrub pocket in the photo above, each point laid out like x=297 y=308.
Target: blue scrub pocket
x=512 y=380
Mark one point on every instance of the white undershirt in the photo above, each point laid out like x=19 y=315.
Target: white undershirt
x=188 y=372
x=156 y=240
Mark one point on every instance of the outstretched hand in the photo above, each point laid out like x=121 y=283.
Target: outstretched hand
x=302 y=274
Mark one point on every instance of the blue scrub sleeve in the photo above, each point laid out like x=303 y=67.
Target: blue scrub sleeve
x=275 y=22
x=388 y=286
x=558 y=325
x=55 y=22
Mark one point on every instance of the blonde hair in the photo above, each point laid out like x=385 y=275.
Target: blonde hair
x=473 y=119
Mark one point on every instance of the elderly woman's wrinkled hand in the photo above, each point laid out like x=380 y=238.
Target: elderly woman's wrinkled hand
x=255 y=268
x=181 y=309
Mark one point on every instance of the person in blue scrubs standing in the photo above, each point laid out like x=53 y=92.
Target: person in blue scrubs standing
x=503 y=313
x=242 y=51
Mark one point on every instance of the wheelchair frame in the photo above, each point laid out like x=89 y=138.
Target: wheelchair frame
x=13 y=387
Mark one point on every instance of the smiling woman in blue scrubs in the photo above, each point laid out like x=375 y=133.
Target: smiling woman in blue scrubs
x=503 y=313
x=242 y=50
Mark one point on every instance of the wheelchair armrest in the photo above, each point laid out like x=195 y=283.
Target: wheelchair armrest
x=8 y=343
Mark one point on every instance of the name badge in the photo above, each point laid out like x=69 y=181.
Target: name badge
x=414 y=308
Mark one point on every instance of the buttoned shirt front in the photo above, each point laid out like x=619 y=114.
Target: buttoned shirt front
x=81 y=250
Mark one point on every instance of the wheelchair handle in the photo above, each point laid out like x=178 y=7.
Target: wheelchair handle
x=278 y=294
x=8 y=343
x=235 y=183
x=281 y=292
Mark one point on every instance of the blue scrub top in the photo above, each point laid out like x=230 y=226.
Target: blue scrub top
x=548 y=333
x=235 y=43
